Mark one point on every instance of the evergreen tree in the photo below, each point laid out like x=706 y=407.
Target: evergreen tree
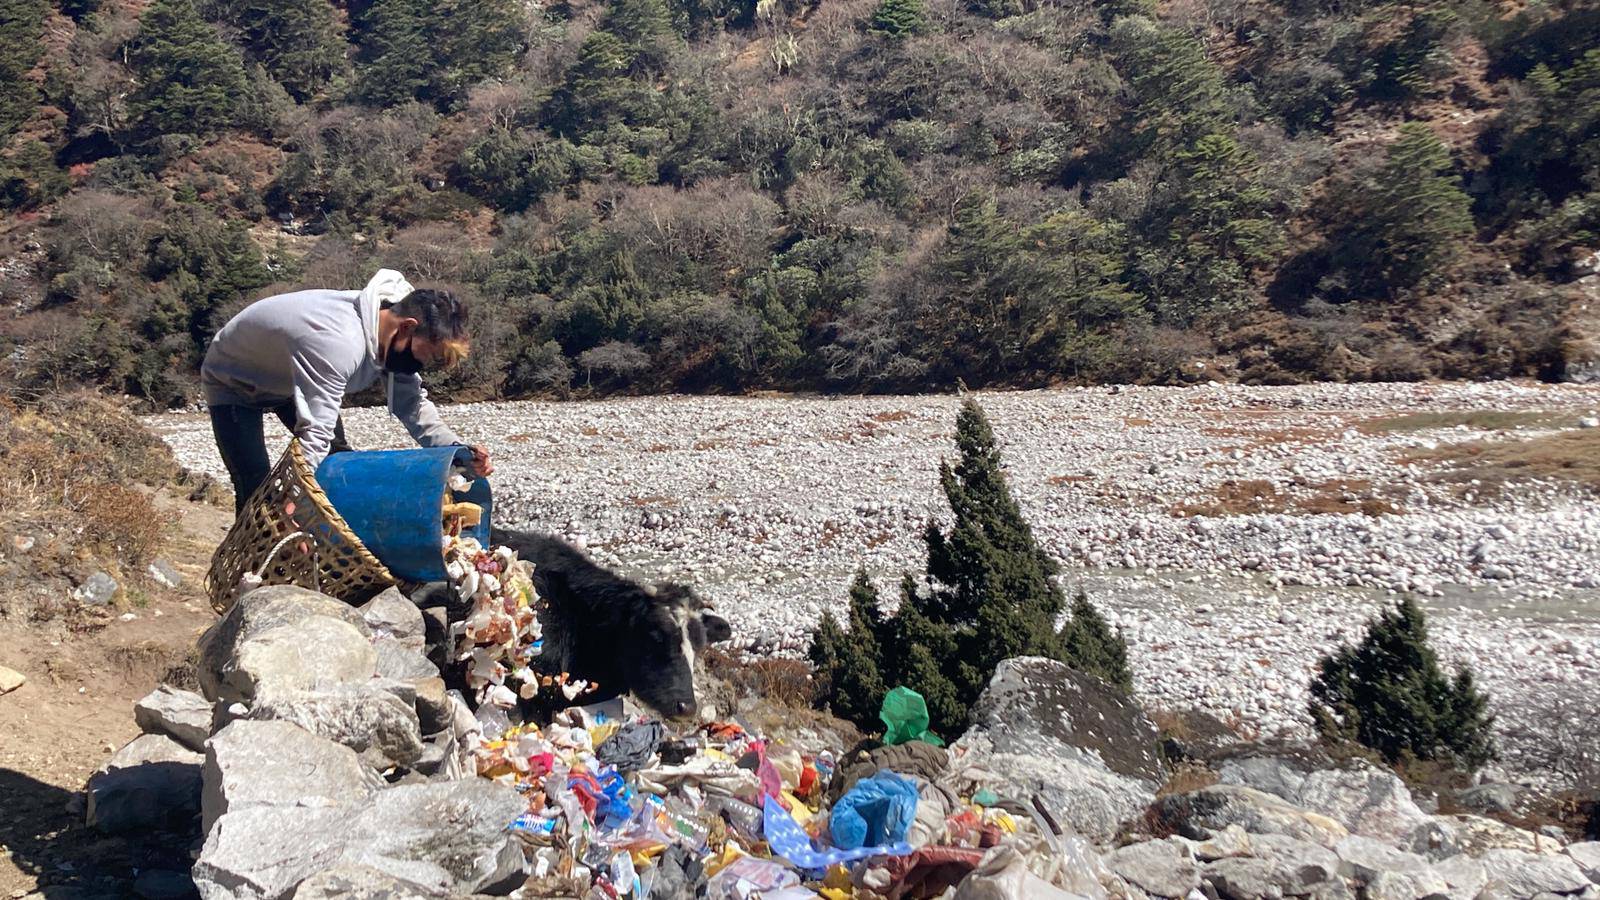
x=847 y=661
x=190 y=80
x=1179 y=95
x=21 y=27
x=1405 y=223
x=415 y=49
x=1093 y=646
x=1388 y=693
x=898 y=18
x=991 y=596
x=300 y=42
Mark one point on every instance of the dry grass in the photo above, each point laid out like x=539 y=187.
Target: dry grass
x=1476 y=420
x=786 y=682
x=81 y=470
x=899 y=415
x=1258 y=496
x=1187 y=777
x=1571 y=456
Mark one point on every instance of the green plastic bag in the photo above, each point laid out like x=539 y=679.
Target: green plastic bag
x=905 y=718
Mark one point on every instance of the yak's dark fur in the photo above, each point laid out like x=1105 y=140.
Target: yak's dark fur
x=614 y=631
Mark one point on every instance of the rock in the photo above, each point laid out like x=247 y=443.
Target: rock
x=1229 y=842
x=1311 y=864
x=1200 y=813
x=251 y=763
x=316 y=653
x=181 y=715
x=448 y=837
x=98 y=589
x=434 y=710
x=441 y=757
x=1270 y=774
x=1245 y=878
x=379 y=726
x=152 y=783
x=1039 y=706
x=1082 y=796
x=1587 y=856
x=1489 y=798
x=164 y=884
x=11 y=679
x=392 y=615
x=1554 y=832
x=1405 y=885
x=1439 y=837
x=255 y=614
x=1160 y=868
x=1522 y=874
x=163 y=573
x=1364 y=798
x=264 y=851
x=1364 y=859
x=400 y=662
x=357 y=882
x=1464 y=876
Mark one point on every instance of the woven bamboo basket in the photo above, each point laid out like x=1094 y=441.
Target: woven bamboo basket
x=288 y=533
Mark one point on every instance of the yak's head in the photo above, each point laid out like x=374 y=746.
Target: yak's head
x=675 y=625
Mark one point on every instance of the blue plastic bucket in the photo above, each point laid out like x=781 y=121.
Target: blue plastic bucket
x=393 y=500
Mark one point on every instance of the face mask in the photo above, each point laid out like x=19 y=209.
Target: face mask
x=403 y=362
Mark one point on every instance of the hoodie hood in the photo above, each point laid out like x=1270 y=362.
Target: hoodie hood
x=388 y=286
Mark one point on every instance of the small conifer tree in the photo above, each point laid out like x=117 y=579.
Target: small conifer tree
x=846 y=662
x=897 y=18
x=1388 y=693
x=991 y=596
x=191 y=81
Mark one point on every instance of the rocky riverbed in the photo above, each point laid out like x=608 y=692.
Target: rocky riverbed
x=1233 y=533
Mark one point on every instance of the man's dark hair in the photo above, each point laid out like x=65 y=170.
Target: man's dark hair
x=441 y=318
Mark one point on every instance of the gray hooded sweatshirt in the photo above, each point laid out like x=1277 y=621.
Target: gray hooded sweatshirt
x=312 y=348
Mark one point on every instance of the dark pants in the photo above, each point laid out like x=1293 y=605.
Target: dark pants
x=238 y=430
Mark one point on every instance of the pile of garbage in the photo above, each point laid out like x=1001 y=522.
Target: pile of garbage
x=622 y=806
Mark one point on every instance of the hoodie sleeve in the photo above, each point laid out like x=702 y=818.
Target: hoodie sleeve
x=409 y=402
x=319 y=383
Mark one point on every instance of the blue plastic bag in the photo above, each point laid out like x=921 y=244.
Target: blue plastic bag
x=877 y=811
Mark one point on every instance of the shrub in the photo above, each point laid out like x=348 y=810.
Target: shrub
x=991 y=596
x=1388 y=693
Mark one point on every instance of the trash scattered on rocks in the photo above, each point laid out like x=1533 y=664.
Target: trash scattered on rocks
x=98 y=589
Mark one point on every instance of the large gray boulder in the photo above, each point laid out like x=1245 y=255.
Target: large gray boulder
x=1364 y=859
x=1440 y=837
x=1313 y=865
x=1366 y=799
x=1248 y=878
x=152 y=783
x=184 y=716
x=1082 y=796
x=1493 y=797
x=1464 y=876
x=1587 y=855
x=264 y=851
x=1159 y=868
x=435 y=838
x=358 y=882
x=1271 y=774
x=250 y=763
x=400 y=662
x=379 y=726
x=305 y=653
x=1201 y=813
x=392 y=615
x=1043 y=707
x=1524 y=875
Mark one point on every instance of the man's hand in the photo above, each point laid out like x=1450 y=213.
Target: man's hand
x=481 y=466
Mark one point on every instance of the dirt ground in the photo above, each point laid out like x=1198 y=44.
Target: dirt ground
x=84 y=674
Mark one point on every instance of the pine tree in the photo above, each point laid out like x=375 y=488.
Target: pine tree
x=898 y=18
x=1388 y=693
x=21 y=27
x=1412 y=220
x=300 y=42
x=190 y=80
x=1178 y=92
x=847 y=661
x=1093 y=646
x=414 y=49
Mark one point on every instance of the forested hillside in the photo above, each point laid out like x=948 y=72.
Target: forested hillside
x=844 y=194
